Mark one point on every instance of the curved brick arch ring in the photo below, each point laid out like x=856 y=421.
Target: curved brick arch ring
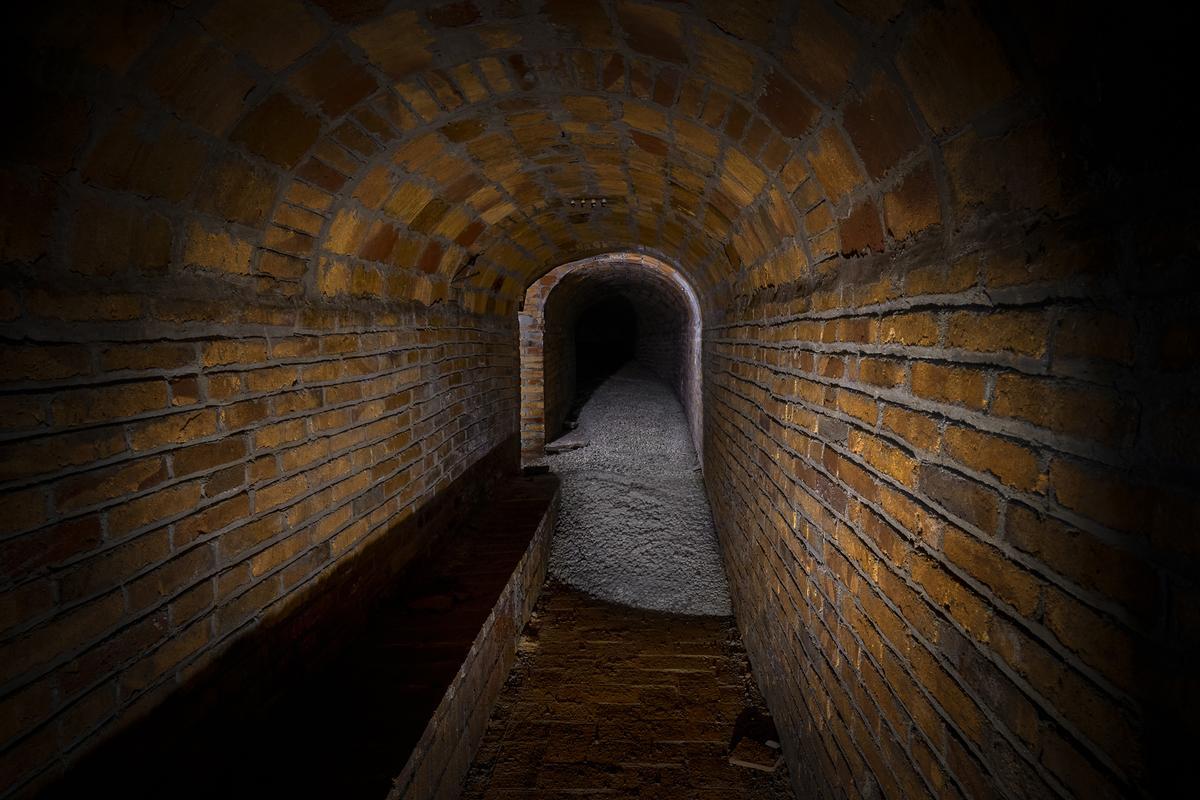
x=550 y=306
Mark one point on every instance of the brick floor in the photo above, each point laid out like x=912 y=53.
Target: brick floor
x=619 y=702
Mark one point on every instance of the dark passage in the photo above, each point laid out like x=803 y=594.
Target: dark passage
x=606 y=336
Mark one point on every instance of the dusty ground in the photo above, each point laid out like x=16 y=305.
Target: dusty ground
x=611 y=701
x=634 y=525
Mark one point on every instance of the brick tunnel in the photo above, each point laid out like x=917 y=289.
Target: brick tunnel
x=298 y=295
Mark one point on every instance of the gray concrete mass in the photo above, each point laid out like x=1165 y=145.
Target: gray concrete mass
x=634 y=525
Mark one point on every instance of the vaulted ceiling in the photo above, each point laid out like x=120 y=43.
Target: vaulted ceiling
x=355 y=148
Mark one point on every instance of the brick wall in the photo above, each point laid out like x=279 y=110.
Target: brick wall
x=171 y=487
x=953 y=521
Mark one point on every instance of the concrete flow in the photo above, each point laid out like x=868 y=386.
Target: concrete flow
x=634 y=526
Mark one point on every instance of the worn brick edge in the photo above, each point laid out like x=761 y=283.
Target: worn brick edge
x=439 y=762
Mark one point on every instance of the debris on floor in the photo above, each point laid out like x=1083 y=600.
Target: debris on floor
x=754 y=754
x=755 y=742
x=565 y=445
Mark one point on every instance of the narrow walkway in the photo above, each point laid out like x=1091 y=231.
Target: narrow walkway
x=617 y=702
x=634 y=526
x=631 y=680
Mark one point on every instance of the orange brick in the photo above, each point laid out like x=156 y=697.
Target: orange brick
x=114 y=566
x=204 y=457
x=918 y=328
x=940 y=279
x=1011 y=463
x=146 y=356
x=1094 y=336
x=1098 y=640
x=167 y=657
x=1098 y=494
x=989 y=566
x=958 y=385
x=880 y=372
x=110 y=483
x=919 y=430
x=280 y=493
x=884 y=457
x=1083 y=558
x=278 y=553
x=64 y=634
x=954 y=67
x=82 y=406
x=43 y=363
x=1093 y=413
x=280 y=433
x=270 y=380
x=856 y=405
x=173 y=501
x=173 y=429
x=961 y=603
x=1021 y=332
x=234 y=351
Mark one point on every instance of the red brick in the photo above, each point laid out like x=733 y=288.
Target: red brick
x=82 y=406
x=954 y=67
x=881 y=126
x=278 y=130
x=27 y=555
x=862 y=231
x=786 y=106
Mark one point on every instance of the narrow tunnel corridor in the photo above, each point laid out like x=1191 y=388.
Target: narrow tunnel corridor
x=295 y=295
x=631 y=677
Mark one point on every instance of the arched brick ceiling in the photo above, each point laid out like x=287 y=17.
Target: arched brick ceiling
x=361 y=149
x=658 y=300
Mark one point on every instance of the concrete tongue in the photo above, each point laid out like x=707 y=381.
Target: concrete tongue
x=634 y=524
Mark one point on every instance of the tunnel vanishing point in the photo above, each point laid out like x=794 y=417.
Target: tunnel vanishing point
x=291 y=287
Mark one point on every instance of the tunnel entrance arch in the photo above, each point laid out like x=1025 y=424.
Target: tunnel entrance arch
x=669 y=337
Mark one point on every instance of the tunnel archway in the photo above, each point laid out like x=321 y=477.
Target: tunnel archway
x=665 y=309
x=261 y=259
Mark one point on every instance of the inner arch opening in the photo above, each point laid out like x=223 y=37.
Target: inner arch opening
x=614 y=341
x=585 y=319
